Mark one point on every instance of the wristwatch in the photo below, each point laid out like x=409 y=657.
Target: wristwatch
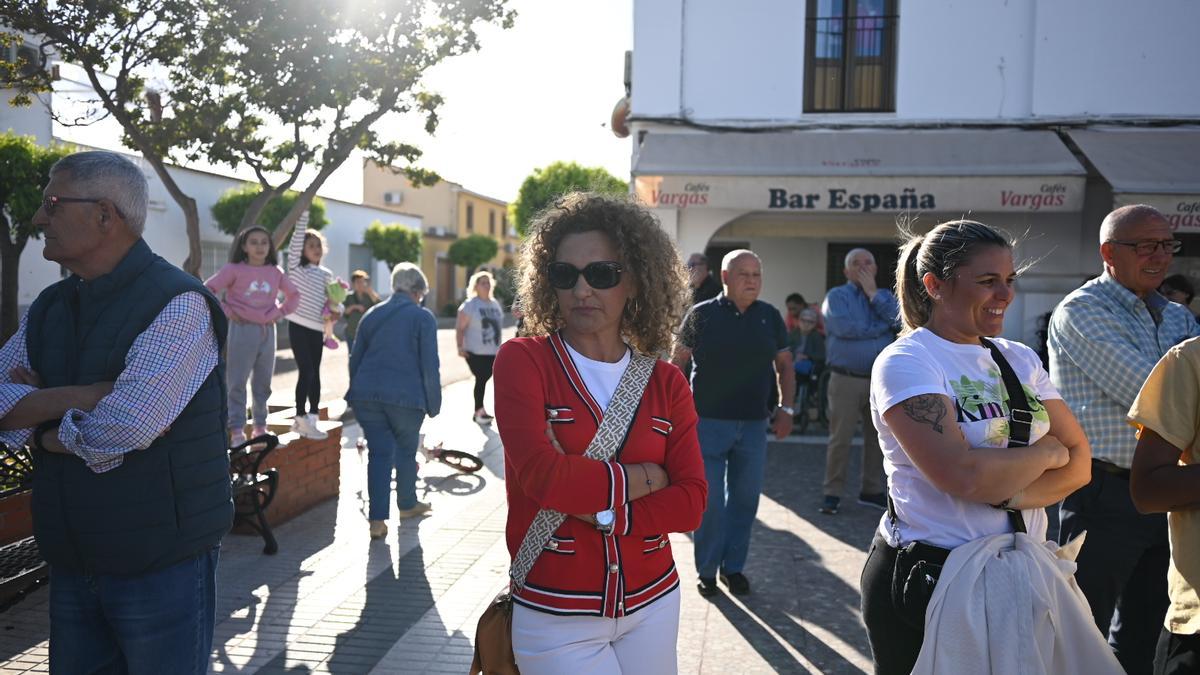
x=790 y=411
x=605 y=520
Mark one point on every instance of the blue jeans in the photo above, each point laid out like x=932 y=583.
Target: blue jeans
x=392 y=435
x=160 y=622
x=735 y=456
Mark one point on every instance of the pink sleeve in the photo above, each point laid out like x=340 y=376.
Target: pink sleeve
x=221 y=282
x=291 y=296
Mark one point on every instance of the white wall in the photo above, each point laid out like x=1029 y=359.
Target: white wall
x=957 y=59
x=964 y=60
x=33 y=120
x=1115 y=57
x=743 y=63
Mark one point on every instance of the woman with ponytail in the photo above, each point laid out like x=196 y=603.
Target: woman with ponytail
x=967 y=467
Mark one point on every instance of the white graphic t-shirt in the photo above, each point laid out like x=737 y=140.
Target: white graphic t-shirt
x=483 y=332
x=923 y=363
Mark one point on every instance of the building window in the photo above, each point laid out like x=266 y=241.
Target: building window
x=850 y=56
x=470 y=217
x=491 y=222
x=213 y=256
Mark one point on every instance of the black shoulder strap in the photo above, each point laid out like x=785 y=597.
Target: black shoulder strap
x=1020 y=423
x=1020 y=417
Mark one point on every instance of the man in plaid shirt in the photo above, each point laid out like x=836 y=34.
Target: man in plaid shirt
x=115 y=379
x=1104 y=339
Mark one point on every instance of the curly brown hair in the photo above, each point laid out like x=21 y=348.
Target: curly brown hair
x=659 y=278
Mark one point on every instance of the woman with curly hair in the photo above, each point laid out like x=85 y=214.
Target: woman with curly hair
x=602 y=288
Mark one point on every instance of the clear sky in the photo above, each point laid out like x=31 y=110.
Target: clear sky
x=539 y=92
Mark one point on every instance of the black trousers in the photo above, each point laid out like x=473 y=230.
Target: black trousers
x=481 y=368
x=308 y=346
x=1122 y=568
x=1177 y=654
x=894 y=643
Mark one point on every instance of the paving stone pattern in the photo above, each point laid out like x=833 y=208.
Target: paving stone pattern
x=332 y=601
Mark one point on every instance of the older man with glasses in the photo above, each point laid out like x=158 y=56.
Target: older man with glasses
x=1104 y=339
x=116 y=380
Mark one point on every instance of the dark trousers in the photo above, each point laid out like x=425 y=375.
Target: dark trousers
x=1177 y=654
x=308 y=346
x=481 y=368
x=1122 y=566
x=894 y=643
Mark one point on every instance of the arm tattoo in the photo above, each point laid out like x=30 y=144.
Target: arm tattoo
x=926 y=409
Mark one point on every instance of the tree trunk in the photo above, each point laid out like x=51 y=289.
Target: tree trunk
x=10 y=263
x=191 y=213
x=301 y=205
x=250 y=217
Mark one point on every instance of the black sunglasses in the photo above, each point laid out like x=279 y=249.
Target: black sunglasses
x=1149 y=246
x=599 y=275
x=50 y=202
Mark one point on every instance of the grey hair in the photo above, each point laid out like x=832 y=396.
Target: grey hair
x=854 y=251
x=408 y=278
x=735 y=254
x=107 y=175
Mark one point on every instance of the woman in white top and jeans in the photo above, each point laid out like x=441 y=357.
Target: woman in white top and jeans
x=941 y=408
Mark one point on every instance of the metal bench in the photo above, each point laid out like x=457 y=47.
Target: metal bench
x=21 y=566
x=253 y=487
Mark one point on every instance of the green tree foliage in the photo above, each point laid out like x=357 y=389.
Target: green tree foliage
x=393 y=243
x=276 y=86
x=230 y=210
x=471 y=252
x=24 y=173
x=545 y=185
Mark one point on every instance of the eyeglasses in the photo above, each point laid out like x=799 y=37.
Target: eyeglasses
x=1149 y=246
x=50 y=202
x=599 y=275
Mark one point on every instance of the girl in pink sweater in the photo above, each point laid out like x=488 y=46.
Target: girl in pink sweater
x=249 y=288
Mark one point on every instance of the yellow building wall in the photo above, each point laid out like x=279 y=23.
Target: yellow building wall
x=444 y=205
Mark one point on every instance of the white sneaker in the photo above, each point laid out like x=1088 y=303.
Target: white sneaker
x=306 y=426
x=421 y=508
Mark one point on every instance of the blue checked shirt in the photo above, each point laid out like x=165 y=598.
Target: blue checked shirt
x=1103 y=344
x=164 y=369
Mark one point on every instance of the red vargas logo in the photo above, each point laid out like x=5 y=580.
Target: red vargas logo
x=1186 y=216
x=1050 y=194
x=694 y=194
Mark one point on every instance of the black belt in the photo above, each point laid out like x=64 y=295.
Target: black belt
x=849 y=373
x=1110 y=468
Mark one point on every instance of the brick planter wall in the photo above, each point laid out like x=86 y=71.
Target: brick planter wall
x=16 y=521
x=309 y=473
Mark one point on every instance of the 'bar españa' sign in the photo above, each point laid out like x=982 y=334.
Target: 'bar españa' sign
x=959 y=194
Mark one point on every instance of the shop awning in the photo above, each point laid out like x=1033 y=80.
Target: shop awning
x=1159 y=167
x=955 y=171
x=1145 y=161
x=892 y=152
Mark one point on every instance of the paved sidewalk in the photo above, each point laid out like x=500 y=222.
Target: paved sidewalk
x=332 y=601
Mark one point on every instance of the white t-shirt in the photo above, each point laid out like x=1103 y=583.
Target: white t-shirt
x=923 y=363
x=600 y=378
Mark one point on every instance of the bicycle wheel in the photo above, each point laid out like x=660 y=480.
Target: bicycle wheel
x=461 y=461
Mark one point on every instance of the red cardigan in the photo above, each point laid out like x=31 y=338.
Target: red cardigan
x=581 y=571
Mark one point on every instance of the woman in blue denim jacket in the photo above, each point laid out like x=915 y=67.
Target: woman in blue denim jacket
x=394 y=384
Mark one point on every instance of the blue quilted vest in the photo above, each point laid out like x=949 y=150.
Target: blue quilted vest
x=163 y=504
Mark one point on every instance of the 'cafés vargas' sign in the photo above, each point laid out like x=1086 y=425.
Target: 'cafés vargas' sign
x=1182 y=211
x=954 y=194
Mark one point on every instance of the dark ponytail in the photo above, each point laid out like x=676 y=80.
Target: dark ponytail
x=940 y=252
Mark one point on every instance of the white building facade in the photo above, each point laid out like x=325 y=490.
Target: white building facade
x=802 y=129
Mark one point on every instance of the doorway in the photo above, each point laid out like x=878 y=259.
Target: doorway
x=885 y=254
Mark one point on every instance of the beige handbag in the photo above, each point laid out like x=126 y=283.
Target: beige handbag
x=493 y=634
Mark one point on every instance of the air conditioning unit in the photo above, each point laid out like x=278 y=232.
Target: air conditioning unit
x=437 y=231
x=393 y=198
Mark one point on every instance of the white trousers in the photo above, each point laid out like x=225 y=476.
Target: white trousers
x=642 y=643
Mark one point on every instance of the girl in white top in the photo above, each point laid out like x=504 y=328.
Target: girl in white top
x=306 y=325
x=941 y=409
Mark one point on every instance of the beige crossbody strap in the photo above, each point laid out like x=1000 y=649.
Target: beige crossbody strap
x=617 y=418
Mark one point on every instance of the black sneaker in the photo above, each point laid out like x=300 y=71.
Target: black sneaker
x=879 y=501
x=707 y=586
x=737 y=582
x=830 y=505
